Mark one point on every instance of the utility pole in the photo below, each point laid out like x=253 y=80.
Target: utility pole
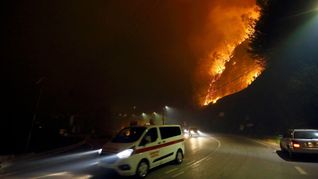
x=39 y=82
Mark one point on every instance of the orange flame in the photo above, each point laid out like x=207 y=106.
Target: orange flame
x=229 y=65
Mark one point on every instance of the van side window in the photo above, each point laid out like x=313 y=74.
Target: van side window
x=167 y=132
x=150 y=136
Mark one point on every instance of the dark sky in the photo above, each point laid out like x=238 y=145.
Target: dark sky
x=102 y=52
x=98 y=55
x=113 y=52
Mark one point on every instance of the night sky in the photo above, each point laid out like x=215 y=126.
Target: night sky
x=84 y=57
x=101 y=53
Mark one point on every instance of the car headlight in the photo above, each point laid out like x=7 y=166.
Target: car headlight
x=99 y=151
x=125 y=154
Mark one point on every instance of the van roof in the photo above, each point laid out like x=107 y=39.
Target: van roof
x=167 y=125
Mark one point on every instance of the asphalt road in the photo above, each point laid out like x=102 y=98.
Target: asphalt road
x=211 y=156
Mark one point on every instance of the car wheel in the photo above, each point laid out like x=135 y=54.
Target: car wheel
x=179 y=157
x=142 y=169
x=282 y=149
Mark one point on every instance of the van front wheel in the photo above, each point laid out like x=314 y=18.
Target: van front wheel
x=179 y=157
x=142 y=169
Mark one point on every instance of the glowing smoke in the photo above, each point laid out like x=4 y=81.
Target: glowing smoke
x=226 y=67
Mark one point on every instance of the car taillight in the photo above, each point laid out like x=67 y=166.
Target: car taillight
x=296 y=145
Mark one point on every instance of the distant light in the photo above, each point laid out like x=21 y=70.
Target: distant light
x=167 y=107
x=200 y=133
x=144 y=115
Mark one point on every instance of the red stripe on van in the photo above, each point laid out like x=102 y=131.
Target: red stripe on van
x=157 y=146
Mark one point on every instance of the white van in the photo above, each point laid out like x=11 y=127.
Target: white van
x=137 y=149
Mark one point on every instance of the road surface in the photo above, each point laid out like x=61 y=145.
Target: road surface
x=210 y=156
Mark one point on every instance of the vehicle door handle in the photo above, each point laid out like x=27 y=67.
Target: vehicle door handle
x=163 y=141
x=159 y=142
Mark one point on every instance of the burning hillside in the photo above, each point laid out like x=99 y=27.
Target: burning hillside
x=226 y=66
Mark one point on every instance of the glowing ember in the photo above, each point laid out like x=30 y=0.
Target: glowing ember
x=229 y=65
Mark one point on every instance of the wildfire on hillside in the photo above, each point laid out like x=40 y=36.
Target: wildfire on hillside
x=227 y=67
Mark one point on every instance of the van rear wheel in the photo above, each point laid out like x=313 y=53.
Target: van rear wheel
x=142 y=169
x=179 y=157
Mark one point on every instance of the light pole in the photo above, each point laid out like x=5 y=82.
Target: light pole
x=164 y=109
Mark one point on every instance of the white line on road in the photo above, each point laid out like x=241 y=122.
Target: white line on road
x=219 y=143
x=188 y=163
x=195 y=166
x=172 y=170
x=300 y=170
x=197 y=162
x=177 y=174
x=194 y=163
x=209 y=158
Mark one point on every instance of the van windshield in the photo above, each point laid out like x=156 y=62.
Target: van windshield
x=129 y=134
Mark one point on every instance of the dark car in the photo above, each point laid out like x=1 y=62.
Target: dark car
x=300 y=141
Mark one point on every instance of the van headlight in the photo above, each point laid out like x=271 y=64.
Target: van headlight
x=125 y=153
x=99 y=151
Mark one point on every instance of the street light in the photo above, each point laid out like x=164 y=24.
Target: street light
x=164 y=109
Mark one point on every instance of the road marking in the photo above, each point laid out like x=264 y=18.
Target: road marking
x=172 y=170
x=219 y=143
x=209 y=158
x=190 y=162
x=177 y=174
x=300 y=170
x=199 y=161
x=195 y=166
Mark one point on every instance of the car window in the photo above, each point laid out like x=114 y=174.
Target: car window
x=167 y=132
x=129 y=134
x=306 y=134
x=150 y=136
